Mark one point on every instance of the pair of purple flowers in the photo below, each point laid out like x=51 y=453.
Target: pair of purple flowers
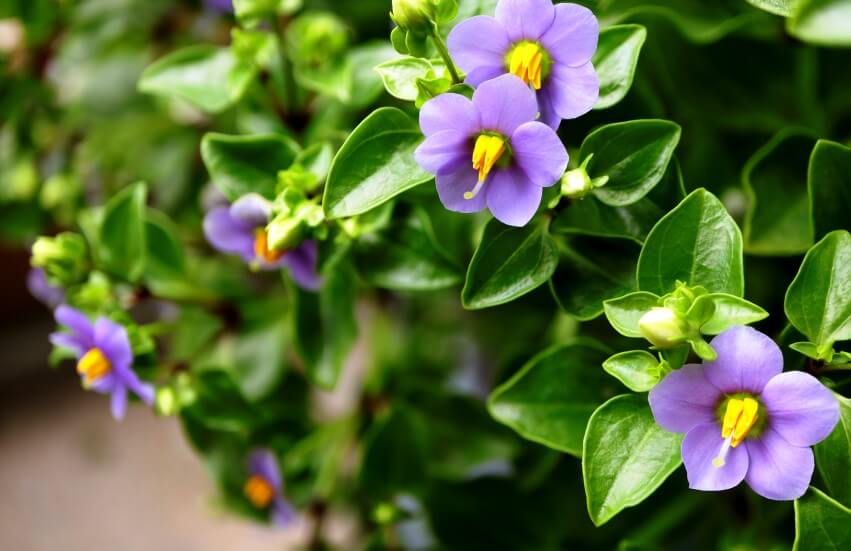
x=744 y=419
x=531 y=65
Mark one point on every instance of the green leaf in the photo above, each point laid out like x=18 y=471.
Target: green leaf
x=246 y=164
x=777 y=7
x=697 y=243
x=366 y=83
x=822 y=22
x=633 y=155
x=777 y=221
x=638 y=370
x=729 y=311
x=833 y=455
x=818 y=302
x=625 y=312
x=258 y=350
x=625 y=456
x=395 y=451
x=821 y=524
x=509 y=263
x=615 y=61
x=121 y=241
x=551 y=398
x=406 y=257
x=591 y=271
x=209 y=77
x=400 y=76
x=830 y=187
x=375 y=164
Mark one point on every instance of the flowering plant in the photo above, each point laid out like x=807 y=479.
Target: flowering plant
x=456 y=274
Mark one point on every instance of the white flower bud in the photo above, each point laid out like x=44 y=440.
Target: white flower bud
x=663 y=328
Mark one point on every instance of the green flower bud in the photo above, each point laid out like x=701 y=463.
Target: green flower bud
x=64 y=258
x=416 y=16
x=663 y=328
x=576 y=183
x=316 y=39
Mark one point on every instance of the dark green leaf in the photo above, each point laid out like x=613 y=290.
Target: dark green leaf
x=121 y=242
x=833 y=455
x=615 y=61
x=638 y=370
x=821 y=524
x=394 y=453
x=830 y=187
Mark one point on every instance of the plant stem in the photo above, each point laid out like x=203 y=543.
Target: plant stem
x=444 y=54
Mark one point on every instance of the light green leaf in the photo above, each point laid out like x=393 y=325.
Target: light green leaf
x=615 y=61
x=729 y=311
x=121 y=241
x=638 y=370
x=400 y=76
x=625 y=312
x=821 y=524
x=822 y=22
x=830 y=188
x=833 y=455
x=777 y=7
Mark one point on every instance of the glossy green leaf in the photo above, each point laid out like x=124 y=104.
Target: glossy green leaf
x=615 y=61
x=246 y=164
x=509 y=263
x=818 y=302
x=633 y=155
x=777 y=7
x=206 y=76
x=625 y=312
x=551 y=398
x=729 y=311
x=638 y=370
x=592 y=270
x=821 y=524
x=400 y=75
x=822 y=22
x=697 y=243
x=121 y=241
x=375 y=164
x=625 y=456
x=777 y=221
x=830 y=188
x=833 y=456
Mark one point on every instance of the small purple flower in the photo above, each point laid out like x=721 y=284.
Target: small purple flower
x=265 y=486
x=104 y=357
x=46 y=293
x=241 y=230
x=744 y=419
x=490 y=152
x=549 y=47
x=223 y=6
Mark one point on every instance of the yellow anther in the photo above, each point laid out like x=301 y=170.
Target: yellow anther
x=739 y=419
x=262 y=250
x=487 y=152
x=731 y=416
x=93 y=365
x=527 y=62
x=258 y=491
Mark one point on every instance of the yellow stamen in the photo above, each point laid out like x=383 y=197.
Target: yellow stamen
x=739 y=418
x=261 y=248
x=527 y=62
x=93 y=365
x=486 y=153
x=258 y=491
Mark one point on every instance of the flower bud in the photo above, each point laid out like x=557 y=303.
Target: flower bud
x=414 y=15
x=64 y=258
x=317 y=39
x=576 y=183
x=663 y=328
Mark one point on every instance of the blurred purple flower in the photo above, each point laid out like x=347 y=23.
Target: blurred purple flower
x=744 y=398
x=549 y=47
x=224 y=6
x=43 y=291
x=513 y=157
x=104 y=357
x=265 y=487
x=240 y=230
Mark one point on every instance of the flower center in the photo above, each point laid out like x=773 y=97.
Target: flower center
x=93 y=365
x=740 y=417
x=262 y=250
x=258 y=491
x=488 y=150
x=530 y=62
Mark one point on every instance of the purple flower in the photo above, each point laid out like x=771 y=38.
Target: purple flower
x=744 y=419
x=104 y=357
x=223 y=6
x=46 y=293
x=490 y=152
x=241 y=230
x=549 y=47
x=264 y=487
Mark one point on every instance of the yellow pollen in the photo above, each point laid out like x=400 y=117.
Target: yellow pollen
x=258 y=491
x=526 y=61
x=261 y=248
x=93 y=365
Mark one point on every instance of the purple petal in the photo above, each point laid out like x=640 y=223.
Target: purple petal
x=111 y=338
x=778 y=470
x=747 y=360
x=505 y=103
x=77 y=322
x=478 y=42
x=512 y=198
x=700 y=446
x=444 y=152
x=229 y=235
x=539 y=152
x=106 y=384
x=264 y=464
x=572 y=91
x=525 y=19
x=145 y=391
x=43 y=291
x=572 y=38
x=72 y=342
x=451 y=189
x=252 y=210
x=282 y=513
x=684 y=399
x=449 y=112
x=483 y=74
x=801 y=409
x=224 y=6
x=301 y=263
x=547 y=112
x=118 y=402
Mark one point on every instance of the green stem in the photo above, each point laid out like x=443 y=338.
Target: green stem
x=444 y=54
x=289 y=87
